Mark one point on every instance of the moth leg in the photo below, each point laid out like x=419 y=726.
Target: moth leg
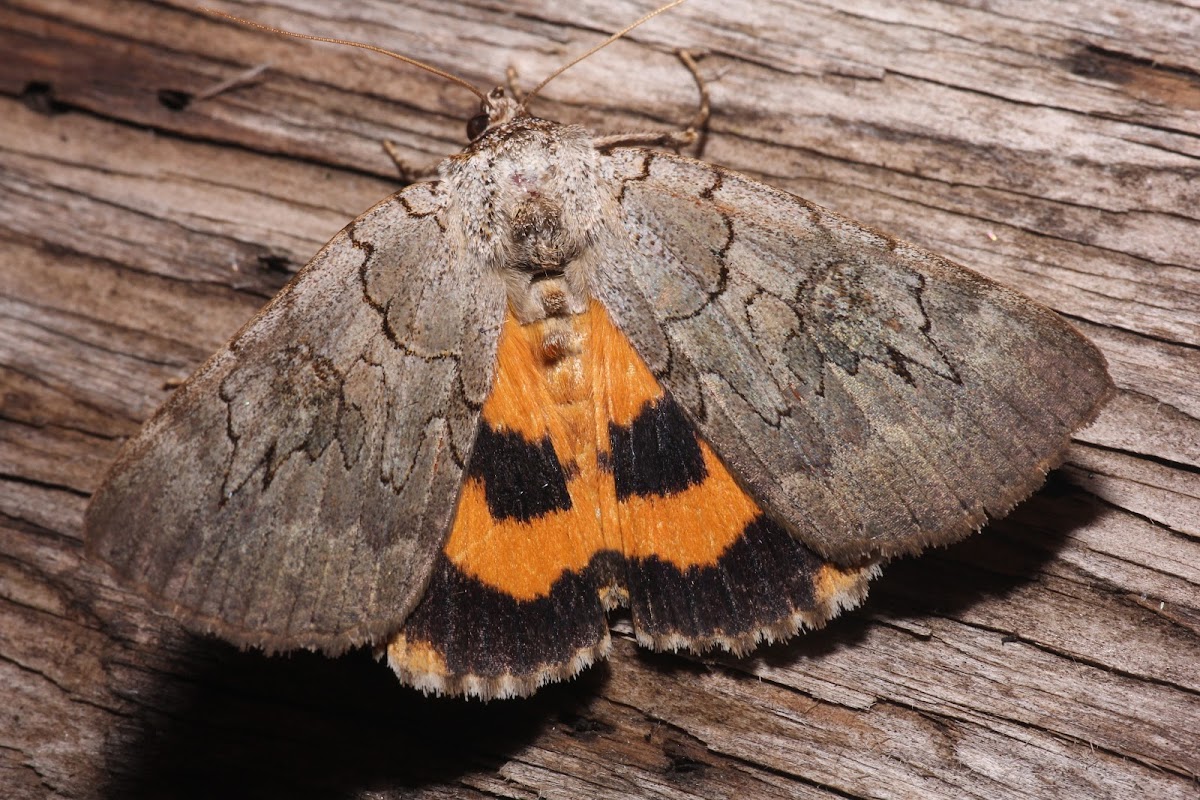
x=176 y=100
x=510 y=80
x=699 y=123
x=408 y=172
x=247 y=77
x=693 y=134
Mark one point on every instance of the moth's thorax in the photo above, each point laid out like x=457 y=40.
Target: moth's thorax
x=530 y=207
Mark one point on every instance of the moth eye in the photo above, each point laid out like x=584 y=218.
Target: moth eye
x=476 y=126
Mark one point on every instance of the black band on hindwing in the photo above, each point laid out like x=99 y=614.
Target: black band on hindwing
x=522 y=479
x=657 y=454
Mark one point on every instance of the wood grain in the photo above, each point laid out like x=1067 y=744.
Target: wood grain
x=1054 y=147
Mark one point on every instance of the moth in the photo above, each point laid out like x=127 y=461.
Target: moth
x=573 y=374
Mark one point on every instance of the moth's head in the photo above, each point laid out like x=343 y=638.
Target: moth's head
x=495 y=109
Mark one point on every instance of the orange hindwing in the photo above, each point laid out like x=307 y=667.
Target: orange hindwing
x=588 y=488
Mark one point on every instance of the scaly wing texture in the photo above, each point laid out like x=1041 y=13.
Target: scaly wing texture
x=876 y=398
x=589 y=488
x=294 y=492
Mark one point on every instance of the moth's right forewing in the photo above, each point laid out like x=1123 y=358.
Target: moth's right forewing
x=294 y=491
x=875 y=397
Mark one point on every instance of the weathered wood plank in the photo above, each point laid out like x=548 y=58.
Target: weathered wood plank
x=1053 y=147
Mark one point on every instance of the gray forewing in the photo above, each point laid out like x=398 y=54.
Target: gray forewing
x=876 y=398
x=294 y=491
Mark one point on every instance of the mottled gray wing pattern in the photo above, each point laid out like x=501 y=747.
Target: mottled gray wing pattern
x=294 y=492
x=874 y=397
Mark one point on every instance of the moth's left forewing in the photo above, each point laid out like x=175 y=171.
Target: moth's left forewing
x=294 y=492
x=875 y=397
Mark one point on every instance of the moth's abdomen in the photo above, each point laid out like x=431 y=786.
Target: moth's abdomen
x=589 y=488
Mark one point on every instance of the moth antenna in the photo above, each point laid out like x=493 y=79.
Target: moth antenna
x=414 y=62
x=530 y=95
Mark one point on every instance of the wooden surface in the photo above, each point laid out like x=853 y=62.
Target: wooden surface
x=1053 y=146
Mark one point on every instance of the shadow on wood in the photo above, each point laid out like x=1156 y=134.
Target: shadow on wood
x=239 y=724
